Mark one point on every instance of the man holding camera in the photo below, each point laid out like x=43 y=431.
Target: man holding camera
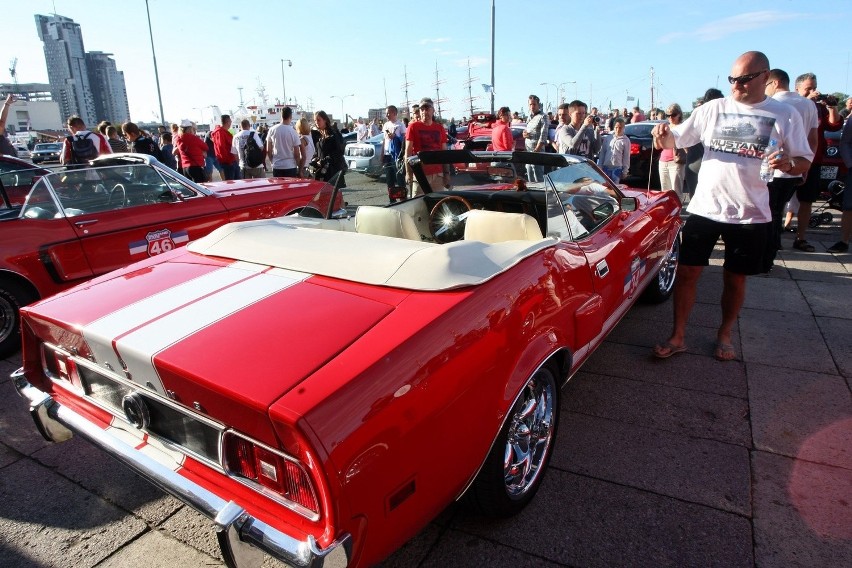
x=808 y=192
x=580 y=137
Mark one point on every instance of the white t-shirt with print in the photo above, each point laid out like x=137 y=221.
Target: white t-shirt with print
x=735 y=136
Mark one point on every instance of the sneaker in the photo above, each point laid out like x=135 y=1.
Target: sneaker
x=803 y=245
x=839 y=246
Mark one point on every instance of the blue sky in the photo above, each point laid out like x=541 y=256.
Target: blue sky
x=207 y=49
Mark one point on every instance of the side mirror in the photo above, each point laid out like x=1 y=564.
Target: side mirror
x=629 y=204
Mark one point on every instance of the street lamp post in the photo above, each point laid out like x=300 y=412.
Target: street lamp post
x=154 y=57
x=547 y=94
x=342 y=98
x=562 y=86
x=283 y=85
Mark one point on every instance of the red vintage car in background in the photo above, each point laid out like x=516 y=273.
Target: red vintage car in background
x=323 y=388
x=60 y=227
x=478 y=139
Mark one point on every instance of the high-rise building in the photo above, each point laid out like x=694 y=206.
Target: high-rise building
x=107 y=84
x=85 y=84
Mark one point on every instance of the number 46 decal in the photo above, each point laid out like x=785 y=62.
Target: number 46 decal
x=160 y=241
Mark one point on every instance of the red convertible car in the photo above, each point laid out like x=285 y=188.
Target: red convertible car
x=60 y=227
x=297 y=379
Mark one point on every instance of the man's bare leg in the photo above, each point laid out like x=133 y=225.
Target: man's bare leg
x=733 y=295
x=686 y=285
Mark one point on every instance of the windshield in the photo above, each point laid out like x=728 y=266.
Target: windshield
x=93 y=190
x=587 y=197
x=328 y=202
x=50 y=147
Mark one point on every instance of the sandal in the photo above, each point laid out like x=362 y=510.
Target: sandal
x=667 y=349
x=803 y=245
x=724 y=352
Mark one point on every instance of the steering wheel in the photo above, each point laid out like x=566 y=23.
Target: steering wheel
x=113 y=194
x=447 y=219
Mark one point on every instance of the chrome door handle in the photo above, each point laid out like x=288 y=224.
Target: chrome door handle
x=602 y=268
x=85 y=223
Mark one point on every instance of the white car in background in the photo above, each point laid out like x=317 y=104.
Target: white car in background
x=23 y=152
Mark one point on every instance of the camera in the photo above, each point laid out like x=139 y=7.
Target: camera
x=826 y=99
x=596 y=118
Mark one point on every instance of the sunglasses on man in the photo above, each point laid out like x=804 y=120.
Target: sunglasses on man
x=743 y=79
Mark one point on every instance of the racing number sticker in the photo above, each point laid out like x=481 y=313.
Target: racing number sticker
x=158 y=242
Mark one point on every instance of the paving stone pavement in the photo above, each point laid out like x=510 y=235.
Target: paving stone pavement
x=682 y=462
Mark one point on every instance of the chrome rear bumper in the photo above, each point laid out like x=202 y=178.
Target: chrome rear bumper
x=242 y=537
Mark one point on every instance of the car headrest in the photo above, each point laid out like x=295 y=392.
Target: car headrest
x=497 y=227
x=385 y=222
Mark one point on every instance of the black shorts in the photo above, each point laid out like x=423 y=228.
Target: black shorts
x=745 y=245
x=808 y=192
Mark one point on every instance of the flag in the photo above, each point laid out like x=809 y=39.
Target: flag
x=629 y=98
x=486 y=88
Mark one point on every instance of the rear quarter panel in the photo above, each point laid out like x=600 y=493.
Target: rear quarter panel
x=407 y=414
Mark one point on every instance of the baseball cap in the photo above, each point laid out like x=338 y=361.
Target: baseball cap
x=185 y=123
x=426 y=101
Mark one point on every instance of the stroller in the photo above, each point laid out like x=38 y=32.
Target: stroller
x=832 y=196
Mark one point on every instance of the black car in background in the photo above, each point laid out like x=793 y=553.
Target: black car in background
x=643 y=157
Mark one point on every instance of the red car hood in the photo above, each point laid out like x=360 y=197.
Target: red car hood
x=192 y=330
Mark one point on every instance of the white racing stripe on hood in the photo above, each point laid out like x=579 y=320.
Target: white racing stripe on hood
x=181 y=311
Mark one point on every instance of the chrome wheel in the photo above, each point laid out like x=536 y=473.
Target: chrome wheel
x=663 y=285
x=666 y=277
x=515 y=466
x=530 y=436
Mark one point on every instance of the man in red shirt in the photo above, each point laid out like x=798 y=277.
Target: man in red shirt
x=426 y=134
x=193 y=152
x=223 y=146
x=501 y=134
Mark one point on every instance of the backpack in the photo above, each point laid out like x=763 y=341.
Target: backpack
x=83 y=148
x=253 y=154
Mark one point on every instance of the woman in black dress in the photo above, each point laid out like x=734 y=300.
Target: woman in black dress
x=328 y=159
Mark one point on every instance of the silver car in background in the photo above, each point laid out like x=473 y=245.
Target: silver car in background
x=365 y=157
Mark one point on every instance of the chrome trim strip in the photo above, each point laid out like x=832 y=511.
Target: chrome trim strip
x=229 y=516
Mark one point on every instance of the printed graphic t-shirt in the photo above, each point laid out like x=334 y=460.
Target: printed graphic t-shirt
x=735 y=136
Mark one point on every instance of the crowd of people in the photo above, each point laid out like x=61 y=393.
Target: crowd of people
x=717 y=155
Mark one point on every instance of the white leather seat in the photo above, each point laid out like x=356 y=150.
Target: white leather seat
x=385 y=222
x=497 y=227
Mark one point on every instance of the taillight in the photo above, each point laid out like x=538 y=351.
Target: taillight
x=272 y=470
x=634 y=148
x=59 y=365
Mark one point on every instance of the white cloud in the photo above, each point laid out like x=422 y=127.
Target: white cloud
x=474 y=61
x=434 y=40
x=719 y=29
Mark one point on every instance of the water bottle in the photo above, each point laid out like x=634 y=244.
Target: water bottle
x=767 y=171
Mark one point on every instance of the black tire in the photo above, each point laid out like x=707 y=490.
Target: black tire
x=12 y=297
x=662 y=286
x=529 y=433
